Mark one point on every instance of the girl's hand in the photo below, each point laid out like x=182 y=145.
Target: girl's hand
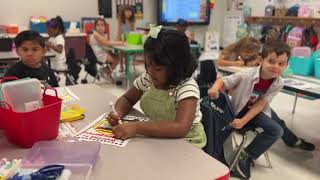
x=237 y=123
x=114 y=118
x=125 y=131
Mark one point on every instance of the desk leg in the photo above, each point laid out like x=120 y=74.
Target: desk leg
x=128 y=62
x=295 y=103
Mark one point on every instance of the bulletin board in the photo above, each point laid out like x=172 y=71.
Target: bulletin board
x=137 y=5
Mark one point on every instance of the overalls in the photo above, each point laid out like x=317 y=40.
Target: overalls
x=159 y=105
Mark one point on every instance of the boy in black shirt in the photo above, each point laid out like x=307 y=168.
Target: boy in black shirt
x=31 y=49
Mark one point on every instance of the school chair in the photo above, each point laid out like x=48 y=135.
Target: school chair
x=244 y=131
x=206 y=77
x=73 y=69
x=90 y=62
x=216 y=116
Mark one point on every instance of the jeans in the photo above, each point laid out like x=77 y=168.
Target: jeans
x=288 y=137
x=271 y=132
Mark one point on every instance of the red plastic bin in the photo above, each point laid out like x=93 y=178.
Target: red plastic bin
x=2 y=80
x=24 y=129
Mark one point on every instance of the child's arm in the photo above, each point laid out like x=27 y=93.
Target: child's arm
x=218 y=85
x=58 y=48
x=177 y=128
x=103 y=40
x=124 y=104
x=257 y=107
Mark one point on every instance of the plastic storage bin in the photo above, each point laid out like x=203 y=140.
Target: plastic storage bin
x=134 y=38
x=302 y=65
x=23 y=95
x=25 y=129
x=78 y=156
x=40 y=27
x=301 y=52
x=12 y=29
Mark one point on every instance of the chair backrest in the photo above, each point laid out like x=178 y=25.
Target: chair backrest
x=206 y=77
x=216 y=116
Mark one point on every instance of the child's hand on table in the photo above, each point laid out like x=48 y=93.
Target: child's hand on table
x=124 y=131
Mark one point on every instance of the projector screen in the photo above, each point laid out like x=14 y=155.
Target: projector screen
x=193 y=11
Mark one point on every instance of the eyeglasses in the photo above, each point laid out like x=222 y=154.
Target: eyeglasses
x=51 y=172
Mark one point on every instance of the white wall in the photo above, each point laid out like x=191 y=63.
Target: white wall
x=19 y=11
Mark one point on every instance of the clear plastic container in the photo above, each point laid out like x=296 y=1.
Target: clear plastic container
x=23 y=95
x=78 y=156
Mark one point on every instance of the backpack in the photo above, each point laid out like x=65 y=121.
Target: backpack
x=216 y=116
x=310 y=38
x=295 y=37
x=284 y=32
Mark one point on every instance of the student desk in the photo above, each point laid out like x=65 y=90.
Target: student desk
x=143 y=158
x=73 y=40
x=13 y=56
x=313 y=92
x=10 y=57
x=128 y=51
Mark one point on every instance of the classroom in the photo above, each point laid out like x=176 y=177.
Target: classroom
x=159 y=89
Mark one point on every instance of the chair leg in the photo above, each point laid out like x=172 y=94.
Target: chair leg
x=69 y=79
x=241 y=147
x=266 y=155
x=235 y=140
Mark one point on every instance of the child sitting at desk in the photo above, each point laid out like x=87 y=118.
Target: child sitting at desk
x=244 y=52
x=253 y=90
x=99 y=43
x=168 y=95
x=250 y=48
x=31 y=49
x=56 y=43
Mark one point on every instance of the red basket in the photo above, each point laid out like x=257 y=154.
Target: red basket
x=24 y=129
x=2 y=80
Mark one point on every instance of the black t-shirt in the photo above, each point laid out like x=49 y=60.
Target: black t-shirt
x=43 y=73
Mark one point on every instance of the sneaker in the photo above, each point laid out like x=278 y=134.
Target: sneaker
x=302 y=144
x=243 y=166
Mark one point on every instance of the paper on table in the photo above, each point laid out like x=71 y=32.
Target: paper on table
x=299 y=84
x=104 y=135
x=65 y=94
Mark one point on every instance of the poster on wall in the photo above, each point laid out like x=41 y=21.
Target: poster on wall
x=137 y=6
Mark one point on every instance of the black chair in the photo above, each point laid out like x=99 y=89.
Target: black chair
x=91 y=62
x=206 y=77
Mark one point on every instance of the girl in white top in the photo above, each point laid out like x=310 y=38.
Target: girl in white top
x=99 y=42
x=56 y=43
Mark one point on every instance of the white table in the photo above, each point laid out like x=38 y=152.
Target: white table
x=142 y=158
